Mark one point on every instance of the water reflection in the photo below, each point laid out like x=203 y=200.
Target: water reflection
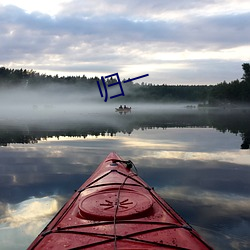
x=21 y=221
x=196 y=167
x=111 y=123
x=31 y=210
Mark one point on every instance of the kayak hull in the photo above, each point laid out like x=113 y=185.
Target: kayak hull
x=116 y=209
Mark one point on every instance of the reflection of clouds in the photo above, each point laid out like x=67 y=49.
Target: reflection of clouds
x=236 y=156
x=22 y=222
x=228 y=203
x=222 y=219
x=155 y=140
x=147 y=144
x=2 y=209
x=173 y=143
x=29 y=212
x=228 y=239
x=185 y=139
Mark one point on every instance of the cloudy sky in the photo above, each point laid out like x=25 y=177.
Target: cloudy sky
x=175 y=42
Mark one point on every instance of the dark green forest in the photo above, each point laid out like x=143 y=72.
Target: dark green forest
x=224 y=93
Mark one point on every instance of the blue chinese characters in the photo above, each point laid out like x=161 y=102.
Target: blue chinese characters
x=115 y=83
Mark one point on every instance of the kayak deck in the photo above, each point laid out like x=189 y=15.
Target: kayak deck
x=116 y=209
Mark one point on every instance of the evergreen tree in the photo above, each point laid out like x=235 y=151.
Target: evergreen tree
x=246 y=69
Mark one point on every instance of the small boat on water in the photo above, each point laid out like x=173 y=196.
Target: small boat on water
x=123 y=109
x=116 y=209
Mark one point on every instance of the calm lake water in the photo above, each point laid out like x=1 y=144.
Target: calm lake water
x=197 y=160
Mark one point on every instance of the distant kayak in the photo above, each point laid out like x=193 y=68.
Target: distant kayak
x=116 y=209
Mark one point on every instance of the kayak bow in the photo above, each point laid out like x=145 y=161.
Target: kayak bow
x=116 y=209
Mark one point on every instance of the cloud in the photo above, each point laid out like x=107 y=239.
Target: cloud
x=144 y=10
x=103 y=37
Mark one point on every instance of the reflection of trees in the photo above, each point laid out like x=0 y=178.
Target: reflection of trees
x=222 y=120
x=8 y=137
x=246 y=141
x=236 y=122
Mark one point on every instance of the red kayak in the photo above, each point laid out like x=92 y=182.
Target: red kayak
x=116 y=209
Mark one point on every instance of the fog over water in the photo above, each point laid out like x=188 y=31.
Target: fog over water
x=60 y=102
x=53 y=101
x=63 y=108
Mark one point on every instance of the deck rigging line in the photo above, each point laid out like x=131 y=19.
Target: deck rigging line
x=129 y=164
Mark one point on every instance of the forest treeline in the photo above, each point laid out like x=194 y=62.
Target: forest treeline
x=236 y=91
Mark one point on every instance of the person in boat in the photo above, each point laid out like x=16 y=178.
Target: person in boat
x=120 y=107
x=125 y=107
